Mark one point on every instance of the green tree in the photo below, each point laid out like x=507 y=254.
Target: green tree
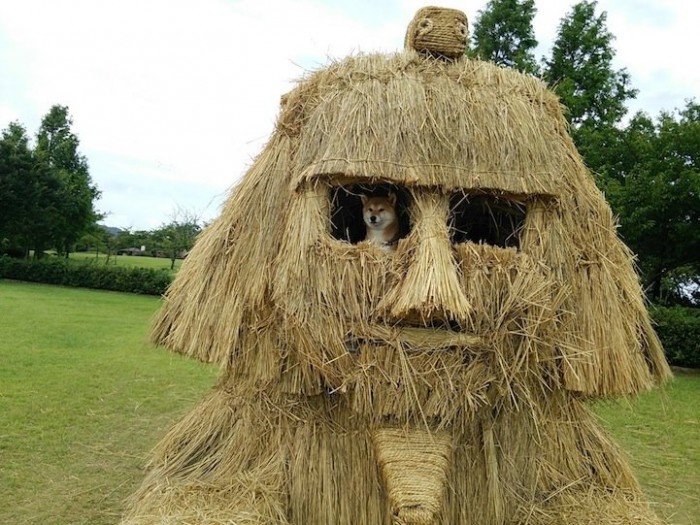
x=177 y=237
x=57 y=149
x=16 y=173
x=27 y=194
x=503 y=34
x=653 y=184
x=580 y=71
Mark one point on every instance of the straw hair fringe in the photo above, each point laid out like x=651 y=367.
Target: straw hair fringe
x=438 y=382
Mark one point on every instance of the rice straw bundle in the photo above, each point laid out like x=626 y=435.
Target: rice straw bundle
x=441 y=382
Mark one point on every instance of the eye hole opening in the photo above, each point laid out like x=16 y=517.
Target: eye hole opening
x=486 y=219
x=347 y=222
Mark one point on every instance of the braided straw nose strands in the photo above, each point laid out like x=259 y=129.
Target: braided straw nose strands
x=435 y=371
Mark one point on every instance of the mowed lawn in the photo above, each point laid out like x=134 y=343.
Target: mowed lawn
x=128 y=260
x=660 y=432
x=84 y=396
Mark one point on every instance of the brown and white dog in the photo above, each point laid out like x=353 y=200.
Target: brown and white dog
x=379 y=214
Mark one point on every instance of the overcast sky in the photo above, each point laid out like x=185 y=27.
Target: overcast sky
x=172 y=99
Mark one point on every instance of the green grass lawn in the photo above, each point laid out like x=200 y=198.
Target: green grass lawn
x=128 y=260
x=84 y=396
x=660 y=431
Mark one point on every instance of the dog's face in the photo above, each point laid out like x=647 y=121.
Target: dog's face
x=379 y=212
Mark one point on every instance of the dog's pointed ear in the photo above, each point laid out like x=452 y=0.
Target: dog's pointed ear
x=392 y=198
x=363 y=198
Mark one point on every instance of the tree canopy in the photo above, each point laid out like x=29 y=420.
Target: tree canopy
x=503 y=34
x=46 y=192
x=178 y=235
x=57 y=148
x=653 y=184
x=17 y=187
x=580 y=69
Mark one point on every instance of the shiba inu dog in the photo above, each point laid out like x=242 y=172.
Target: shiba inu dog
x=379 y=214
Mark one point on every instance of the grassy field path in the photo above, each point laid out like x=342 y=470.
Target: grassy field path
x=660 y=432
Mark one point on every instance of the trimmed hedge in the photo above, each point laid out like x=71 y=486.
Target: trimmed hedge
x=679 y=331
x=87 y=274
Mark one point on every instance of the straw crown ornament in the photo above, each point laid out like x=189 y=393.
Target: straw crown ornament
x=442 y=381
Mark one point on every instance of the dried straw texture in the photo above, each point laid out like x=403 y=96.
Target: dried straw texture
x=331 y=350
x=432 y=127
x=269 y=458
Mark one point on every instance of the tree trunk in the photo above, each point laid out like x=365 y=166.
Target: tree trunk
x=655 y=287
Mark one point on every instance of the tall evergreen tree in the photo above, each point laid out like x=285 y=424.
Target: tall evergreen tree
x=580 y=70
x=57 y=149
x=503 y=34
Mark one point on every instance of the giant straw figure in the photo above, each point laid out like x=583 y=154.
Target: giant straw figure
x=440 y=382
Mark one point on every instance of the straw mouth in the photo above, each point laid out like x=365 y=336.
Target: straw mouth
x=431 y=323
x=415 y=338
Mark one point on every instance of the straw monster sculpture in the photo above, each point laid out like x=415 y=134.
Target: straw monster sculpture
x=440 y=382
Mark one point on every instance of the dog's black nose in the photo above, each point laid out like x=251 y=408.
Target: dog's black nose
x=373 y=219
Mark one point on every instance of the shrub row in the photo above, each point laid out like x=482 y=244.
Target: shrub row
x=87 y=274
x=679 y=331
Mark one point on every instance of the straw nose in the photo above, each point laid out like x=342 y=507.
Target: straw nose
x=430 y=292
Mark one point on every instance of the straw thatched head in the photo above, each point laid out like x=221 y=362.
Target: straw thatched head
x=508 y=275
